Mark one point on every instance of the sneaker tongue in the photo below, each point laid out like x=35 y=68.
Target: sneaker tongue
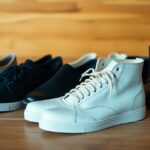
x=110 y=66
x=105 y=64
x=117 y=56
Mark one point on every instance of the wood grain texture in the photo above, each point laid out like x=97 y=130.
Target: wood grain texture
x=31 y=6
x=18 y=134
x=73 y=27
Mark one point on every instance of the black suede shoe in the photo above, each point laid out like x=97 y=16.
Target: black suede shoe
x=19 y=80
x=64 y=80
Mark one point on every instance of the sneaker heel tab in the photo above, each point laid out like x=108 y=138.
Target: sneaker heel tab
x=117 y=55
x=88 y=57
x=83 y=59
x=139 y=60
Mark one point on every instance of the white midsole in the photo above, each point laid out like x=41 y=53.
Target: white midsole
x=127 y=117
x=10 y=106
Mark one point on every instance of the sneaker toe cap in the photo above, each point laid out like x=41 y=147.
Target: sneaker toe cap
x=66 y=115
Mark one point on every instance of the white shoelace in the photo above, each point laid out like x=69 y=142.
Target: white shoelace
x=96 y=79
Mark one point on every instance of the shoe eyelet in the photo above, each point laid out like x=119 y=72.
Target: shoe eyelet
x=114 y=76
x=101 y=86
x=89 y=94
x=106 y=82
x=117 y=69
x=78 y=101
x=103 y=64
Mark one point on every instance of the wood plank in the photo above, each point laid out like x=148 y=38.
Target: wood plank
x=15 y=115
x=19 y=134
x=121 y=6
x=35 y=34
x=115 y=7
x=33 y=6
x=29 y=47
x=77 y=26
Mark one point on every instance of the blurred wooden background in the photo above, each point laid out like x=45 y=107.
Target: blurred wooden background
x=31 y=28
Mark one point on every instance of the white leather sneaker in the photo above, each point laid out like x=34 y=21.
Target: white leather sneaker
x=109 y=97
x=34 y=109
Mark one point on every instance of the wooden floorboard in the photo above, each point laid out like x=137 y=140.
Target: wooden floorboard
x=17 y=134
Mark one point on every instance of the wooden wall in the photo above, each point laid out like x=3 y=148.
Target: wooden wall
x=31 y=28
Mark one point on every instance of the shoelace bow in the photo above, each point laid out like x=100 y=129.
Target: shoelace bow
x=90 y=85
x=14 y=73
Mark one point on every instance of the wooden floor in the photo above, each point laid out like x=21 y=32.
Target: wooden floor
x=17 y=134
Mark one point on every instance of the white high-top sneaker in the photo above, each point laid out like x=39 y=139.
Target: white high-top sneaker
x=109 y=97
x=34 y=109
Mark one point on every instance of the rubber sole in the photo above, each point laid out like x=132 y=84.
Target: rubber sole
x=10 y=106
x=128 y=117
x=24 y=103
x=31 y=116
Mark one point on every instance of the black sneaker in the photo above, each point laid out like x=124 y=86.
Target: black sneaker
x=19 y=80
x=64 y=80
x=67 y=78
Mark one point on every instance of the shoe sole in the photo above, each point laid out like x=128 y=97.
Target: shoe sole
x=59 y=127
x=31 y=117
x=24 y=102
x=10 y=106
